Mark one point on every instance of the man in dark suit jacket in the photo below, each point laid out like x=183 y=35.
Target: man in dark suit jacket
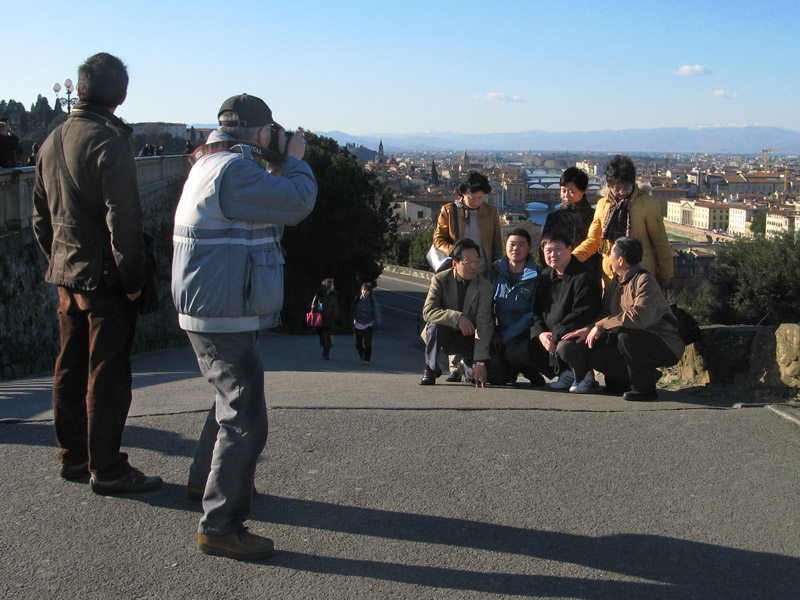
x=458 y=315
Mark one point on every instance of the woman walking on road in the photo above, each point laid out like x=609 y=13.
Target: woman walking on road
x=362 y=317
x=326 y=303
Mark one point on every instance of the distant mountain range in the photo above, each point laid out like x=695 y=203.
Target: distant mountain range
x=713 y=140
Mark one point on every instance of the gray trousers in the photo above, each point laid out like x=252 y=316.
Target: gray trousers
x=235 y=431
x=441 y=337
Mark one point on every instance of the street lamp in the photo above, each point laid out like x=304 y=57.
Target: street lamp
x=68 y=101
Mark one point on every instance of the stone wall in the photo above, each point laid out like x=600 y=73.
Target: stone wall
x=758 y=360
x=28 y=306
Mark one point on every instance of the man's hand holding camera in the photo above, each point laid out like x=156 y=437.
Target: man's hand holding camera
x=296 y=146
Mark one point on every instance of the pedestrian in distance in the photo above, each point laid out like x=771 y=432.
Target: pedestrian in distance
x=326 y=303
x=362 y=318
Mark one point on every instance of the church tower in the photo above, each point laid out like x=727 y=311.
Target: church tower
x=380 y=159
x=434 y=174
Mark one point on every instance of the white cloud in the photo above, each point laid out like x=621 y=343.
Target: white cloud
x=724 y=94
x=692 y=71
x=498 y=97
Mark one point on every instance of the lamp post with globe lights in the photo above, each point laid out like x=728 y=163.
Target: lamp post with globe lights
x=68 y=101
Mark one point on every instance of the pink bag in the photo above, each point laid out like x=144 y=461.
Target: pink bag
x=314 y=319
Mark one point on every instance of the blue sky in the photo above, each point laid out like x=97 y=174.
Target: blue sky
x=469 y=67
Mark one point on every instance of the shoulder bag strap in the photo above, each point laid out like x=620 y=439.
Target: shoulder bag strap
x=454 y=227
x=58 y=146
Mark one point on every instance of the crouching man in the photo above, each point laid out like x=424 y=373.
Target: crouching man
x=458 y=315
x=636 y=332
x=567 y=299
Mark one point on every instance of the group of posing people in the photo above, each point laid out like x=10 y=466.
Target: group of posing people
x=599 y=305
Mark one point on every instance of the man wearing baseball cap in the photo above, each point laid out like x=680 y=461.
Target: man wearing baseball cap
x=227 y=285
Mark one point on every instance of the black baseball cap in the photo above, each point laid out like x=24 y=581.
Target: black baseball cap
x=251 y=110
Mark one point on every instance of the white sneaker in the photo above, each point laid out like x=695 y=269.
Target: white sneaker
x=566 y=379
x=585 y=385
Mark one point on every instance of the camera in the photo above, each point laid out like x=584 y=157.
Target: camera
x=274 y=142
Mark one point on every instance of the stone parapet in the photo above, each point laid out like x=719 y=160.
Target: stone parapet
x=28 y=318
x=761 y=359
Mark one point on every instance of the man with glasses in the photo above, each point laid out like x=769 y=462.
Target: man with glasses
x=458 y=316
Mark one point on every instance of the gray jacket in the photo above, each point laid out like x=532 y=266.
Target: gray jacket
x=227 y=264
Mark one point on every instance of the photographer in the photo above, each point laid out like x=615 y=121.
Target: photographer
x=227 y=284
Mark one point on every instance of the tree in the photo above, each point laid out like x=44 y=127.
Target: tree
x=753 y=282
x=418 y=250
x=759 y=224
x=345 y=235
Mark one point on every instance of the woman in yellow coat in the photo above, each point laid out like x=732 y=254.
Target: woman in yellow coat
x=628 y=211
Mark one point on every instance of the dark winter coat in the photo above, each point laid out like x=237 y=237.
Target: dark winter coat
x=567 y=302
x=94 y=240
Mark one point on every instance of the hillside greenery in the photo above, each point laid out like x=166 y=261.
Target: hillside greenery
x=752 y=282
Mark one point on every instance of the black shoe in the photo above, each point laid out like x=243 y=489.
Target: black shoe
x=536 y=380
x=133 y=482
x=429 y=376
x=239 y=545
x=70 y=472
x=633 y=396
x=612 y=390
x=454 y=377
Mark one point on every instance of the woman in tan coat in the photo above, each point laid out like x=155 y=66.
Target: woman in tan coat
x=458 y=220
x=627 y=211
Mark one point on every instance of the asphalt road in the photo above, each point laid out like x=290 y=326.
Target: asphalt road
x=375 y=487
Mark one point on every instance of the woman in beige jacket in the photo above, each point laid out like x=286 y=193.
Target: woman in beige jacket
x=628 y=211
x=458 y=220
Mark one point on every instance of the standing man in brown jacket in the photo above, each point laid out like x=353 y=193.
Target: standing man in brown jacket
x=88 y=221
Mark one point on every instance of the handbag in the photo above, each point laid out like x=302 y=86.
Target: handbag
x=439 y=261
x=313 y=319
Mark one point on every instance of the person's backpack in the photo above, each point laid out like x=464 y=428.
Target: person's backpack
x=688 y=328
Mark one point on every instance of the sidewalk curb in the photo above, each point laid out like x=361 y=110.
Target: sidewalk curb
x=783 y=412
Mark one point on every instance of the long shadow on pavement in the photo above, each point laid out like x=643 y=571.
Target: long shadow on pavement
x=677 y=568
x=134 y=436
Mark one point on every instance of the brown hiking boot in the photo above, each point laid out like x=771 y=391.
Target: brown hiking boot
x=239 y=545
